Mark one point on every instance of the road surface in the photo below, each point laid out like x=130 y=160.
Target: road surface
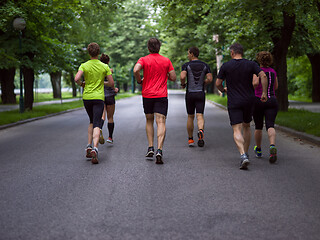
x=48 y=190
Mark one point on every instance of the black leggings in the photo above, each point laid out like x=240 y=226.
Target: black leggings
x=265 y=110
x=94 y=110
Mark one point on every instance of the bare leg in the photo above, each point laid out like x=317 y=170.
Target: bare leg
x=246 y=136
x=110 y=112
x=238 y=138
x=272 y=136
x=190 y=125
x=149 y=128
x=161 y=129
x=90 y=133
x=96 y=135
x=104 y=113
x=200 y=121
x=258 y=137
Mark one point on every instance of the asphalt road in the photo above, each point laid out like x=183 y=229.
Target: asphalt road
x=48 y=190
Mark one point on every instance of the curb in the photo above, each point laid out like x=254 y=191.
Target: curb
x=300 y=135
x=36 y=118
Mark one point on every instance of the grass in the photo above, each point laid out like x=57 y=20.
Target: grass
x=300 y=120
x=38 y=111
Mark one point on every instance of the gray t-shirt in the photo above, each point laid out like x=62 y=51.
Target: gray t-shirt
x=196 y=74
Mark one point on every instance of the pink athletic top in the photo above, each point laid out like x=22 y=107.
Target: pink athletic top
x=155 y=75
x=271 y=76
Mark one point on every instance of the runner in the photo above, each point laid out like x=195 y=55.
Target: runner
x=94 y=72
x=265 y=110
x=109 y=105
x=198 y=74
x=156 y=70
x=238 y=75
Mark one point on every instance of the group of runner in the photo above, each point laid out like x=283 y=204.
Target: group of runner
x=241 y=77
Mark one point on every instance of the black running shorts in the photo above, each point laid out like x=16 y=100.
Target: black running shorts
x=94 y=110
x=241 y=112
x=109 y=100
x=265 y=110
x=155 y=105
x=195 y=101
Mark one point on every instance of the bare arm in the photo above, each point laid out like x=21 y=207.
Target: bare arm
x=276 y=84
x=183 y=76
x=136 y=72
x=264 y=83
x=208 y=78
x=255 y=81
x=110 y=82
x=78 y=77
x=220 y=86
x=172 y=76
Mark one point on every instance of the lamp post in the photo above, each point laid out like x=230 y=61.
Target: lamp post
x=20 y=24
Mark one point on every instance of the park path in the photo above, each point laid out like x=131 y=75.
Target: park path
x=48 y=190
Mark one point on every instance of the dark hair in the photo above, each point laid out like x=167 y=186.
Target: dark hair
x=104 y=58
x=194 y=51
x=154 y=45
x=264 y=58
x=237 y=48
x=93 y=49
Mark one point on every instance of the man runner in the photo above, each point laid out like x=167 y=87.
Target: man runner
x=156 y=70
x=198 y=74
x=238 y=74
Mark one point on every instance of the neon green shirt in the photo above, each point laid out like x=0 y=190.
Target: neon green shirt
x=94 y=73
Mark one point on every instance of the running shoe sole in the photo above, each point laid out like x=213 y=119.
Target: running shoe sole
x=150 y=154
x=200 y=141
x=244 y=164
x=273 y=155
x=101 y=139
x=159 y=159
x=88 y=152
x=94 y=156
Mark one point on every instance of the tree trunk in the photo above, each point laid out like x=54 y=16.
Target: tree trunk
x=7 y=85
x=73 y=84
x=55 y=78
x=280 y=51
x=315 y=65
x=28 y=76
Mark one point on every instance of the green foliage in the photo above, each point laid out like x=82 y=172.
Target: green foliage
x=299 y=77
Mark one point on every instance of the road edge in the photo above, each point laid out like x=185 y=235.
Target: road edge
x=300 y=135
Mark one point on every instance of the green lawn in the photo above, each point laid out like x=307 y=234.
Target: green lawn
x=300 y=120
x=38 y=111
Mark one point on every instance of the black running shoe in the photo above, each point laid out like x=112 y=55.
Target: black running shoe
x=150 y=152
x=200 y=136
x=159 y=157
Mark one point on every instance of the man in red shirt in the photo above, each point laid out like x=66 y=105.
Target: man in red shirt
x=157 y=70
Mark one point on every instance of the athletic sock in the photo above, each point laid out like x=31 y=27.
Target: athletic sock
x=102 y=123
x=110 y=128
x=190 y=138
x=258 y=149
x=272 y=145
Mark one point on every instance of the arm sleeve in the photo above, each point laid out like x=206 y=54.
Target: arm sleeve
x=140 y=61
x=221 y=74
x=184 y=67
x=81 y=68
x=256 y=68
x=108 y=71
